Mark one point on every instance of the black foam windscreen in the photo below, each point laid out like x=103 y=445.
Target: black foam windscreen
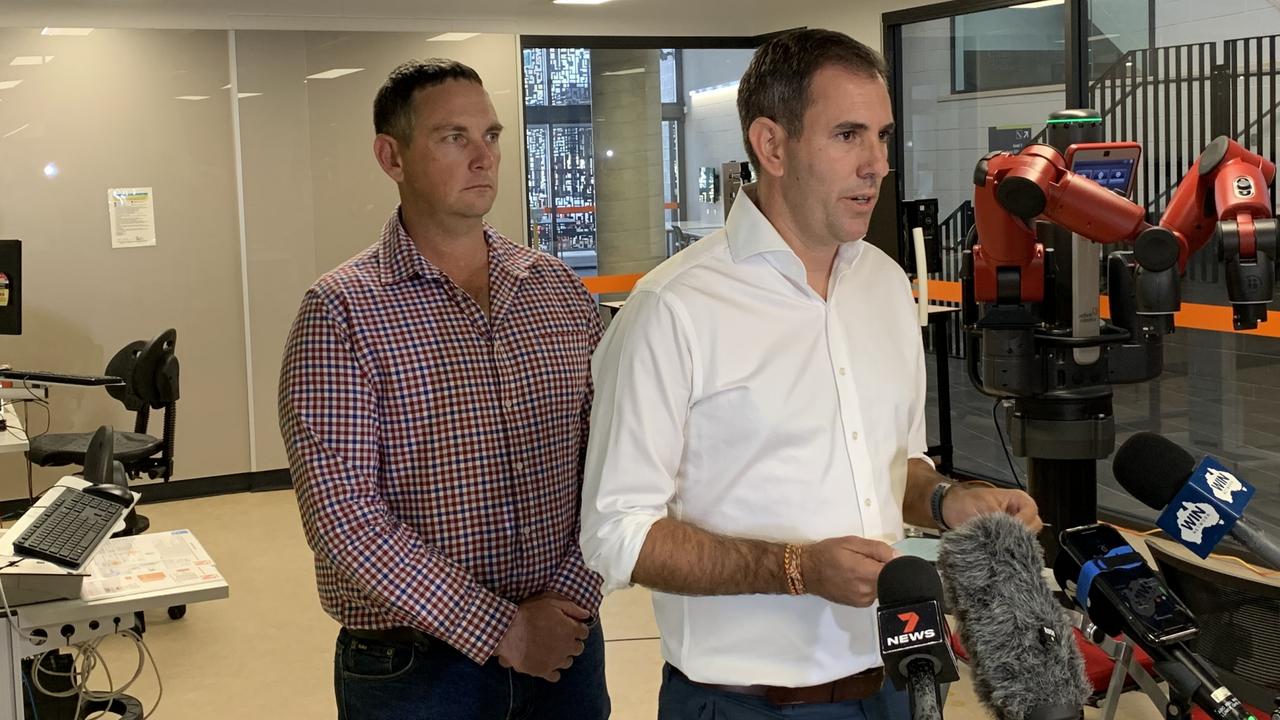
x=908 y=579
x=1152 y=468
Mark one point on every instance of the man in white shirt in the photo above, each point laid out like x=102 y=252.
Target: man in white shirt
x=758 y=435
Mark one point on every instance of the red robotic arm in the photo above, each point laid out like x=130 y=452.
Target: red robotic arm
x=1224 y=192
x=1015 y=190
x=1226 y=183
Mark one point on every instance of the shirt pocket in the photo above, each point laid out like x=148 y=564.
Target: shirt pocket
x=562 y=367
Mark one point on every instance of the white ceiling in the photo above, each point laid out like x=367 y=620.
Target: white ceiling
x=619 y=17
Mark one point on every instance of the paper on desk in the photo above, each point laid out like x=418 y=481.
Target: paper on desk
x=143 y=563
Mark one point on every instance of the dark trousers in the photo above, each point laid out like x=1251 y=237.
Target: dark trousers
x=429 y=679
x=680 y=699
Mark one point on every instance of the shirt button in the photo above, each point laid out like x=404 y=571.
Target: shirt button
x=855 y=435
x=518 y=465
x=867 y=502
x=842 y=371
x=525 y=532
x=510 y=404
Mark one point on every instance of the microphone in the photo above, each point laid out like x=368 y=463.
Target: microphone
x=1022 y=647
x=914 y=641
x=1120 y=593
x=1201 y=502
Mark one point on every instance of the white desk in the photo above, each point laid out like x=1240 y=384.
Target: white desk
x=14 y=437
x=33 y=629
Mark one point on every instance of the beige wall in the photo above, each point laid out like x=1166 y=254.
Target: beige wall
x=314 y=195
x=104 y=111
x=280 y=241
x=538 y=17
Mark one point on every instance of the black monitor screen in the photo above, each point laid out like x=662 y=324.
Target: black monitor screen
x=1113 y=173
x=10 y=287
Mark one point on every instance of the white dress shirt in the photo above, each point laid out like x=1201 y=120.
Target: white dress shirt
x=730 y=396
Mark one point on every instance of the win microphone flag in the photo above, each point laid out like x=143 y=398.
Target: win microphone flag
x=1206 y=508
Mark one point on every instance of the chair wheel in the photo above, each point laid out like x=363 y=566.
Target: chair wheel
x=177 y=612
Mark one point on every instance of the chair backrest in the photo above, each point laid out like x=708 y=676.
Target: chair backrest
x=121 y=366
x=1239 y=632
x=155 y=374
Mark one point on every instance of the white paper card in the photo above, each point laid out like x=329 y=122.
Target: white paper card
x=133 y=218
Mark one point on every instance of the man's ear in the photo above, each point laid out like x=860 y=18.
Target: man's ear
x=769 y=140
x=387 y=151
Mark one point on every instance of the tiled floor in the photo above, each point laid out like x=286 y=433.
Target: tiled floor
x=266 y=652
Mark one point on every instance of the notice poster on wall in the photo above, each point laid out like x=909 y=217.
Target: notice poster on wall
x=133 y=218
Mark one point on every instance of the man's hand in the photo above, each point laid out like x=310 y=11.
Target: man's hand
x=545 y=636
x=845 y=569
x=964 y=502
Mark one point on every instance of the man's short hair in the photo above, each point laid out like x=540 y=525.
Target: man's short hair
x=393 y=106
x=776 y=83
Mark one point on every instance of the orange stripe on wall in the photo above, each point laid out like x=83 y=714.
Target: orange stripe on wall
x=944 y=291
x=1214 y=318
x=610 y=284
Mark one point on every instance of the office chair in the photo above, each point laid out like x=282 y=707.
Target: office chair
x=1239 y=635
x=150 y=374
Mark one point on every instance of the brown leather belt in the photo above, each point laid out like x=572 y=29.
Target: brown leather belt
x=854 y=687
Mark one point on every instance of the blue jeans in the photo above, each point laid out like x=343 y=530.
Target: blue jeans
x=680 y=699
x=429 y=679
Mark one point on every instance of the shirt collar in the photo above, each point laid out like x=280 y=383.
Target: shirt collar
x=750 y=233
x=400 y=260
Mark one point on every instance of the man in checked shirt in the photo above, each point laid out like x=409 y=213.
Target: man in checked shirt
x=434 y=401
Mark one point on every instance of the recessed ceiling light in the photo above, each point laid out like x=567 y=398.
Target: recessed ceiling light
x=31 y=60
x=1038 y=4
x=245 y=95
x=452 y=37
x=15 y=132
x=77 y=32
x=191 y=97
x=6 y=84
x=225 y=87
x=628 y=71
x=334 y=73
x=586 y=2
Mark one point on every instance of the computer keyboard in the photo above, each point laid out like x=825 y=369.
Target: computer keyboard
x=52 y=378
x=68 y=531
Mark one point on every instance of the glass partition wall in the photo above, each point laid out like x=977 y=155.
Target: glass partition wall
x=1170 y=75
x=625 y=146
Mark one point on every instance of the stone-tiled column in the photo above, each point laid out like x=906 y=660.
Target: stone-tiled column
x=626 y=109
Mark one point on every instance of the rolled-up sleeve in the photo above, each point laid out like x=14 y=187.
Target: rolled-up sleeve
x=644 y=375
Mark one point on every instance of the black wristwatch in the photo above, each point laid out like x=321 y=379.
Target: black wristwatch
x=935 y=504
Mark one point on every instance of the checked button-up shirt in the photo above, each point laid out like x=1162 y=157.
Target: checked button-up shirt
x=436 y=452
